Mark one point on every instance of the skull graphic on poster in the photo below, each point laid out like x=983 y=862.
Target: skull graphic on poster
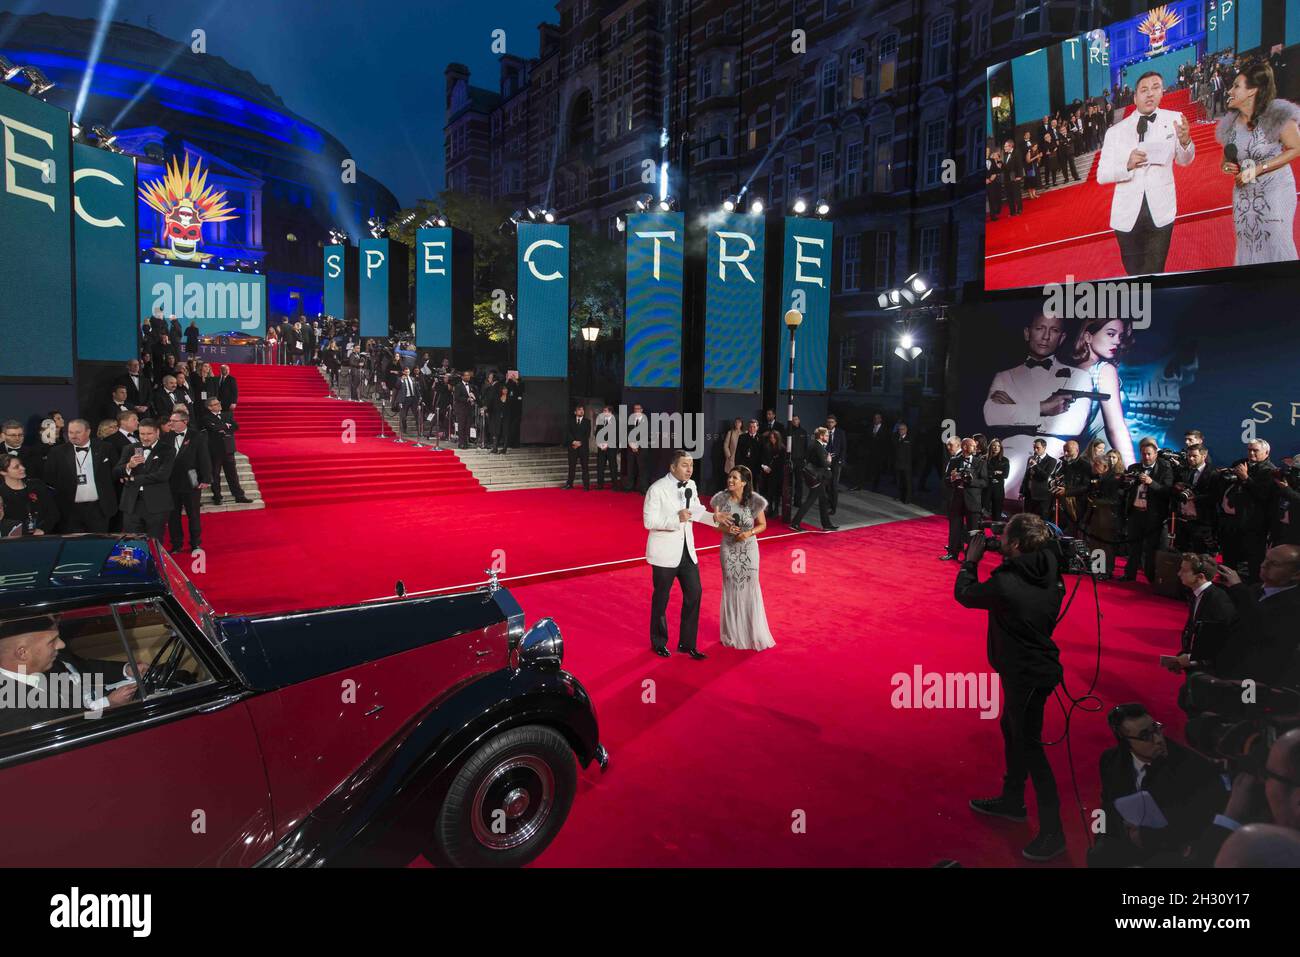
x=186 y=203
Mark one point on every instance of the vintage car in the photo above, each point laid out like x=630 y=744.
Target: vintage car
x=163 y=734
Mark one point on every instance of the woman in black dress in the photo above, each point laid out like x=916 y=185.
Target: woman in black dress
x=26 y=501
x=998 y=466
x=192 y=339
x=497 y=406
x=771 y=460
x=1049 y=151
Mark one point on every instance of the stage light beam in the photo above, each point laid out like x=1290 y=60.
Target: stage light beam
x=106 y=11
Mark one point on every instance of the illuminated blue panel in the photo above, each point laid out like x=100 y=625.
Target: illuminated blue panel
x=433 y=287
x=104 y=186
x=373 y=268
x=1030 y=99
x=336 y=281
x=1250 y=23
x=806 y=286
x=1074 y=60
x=733 y=315
x=36 y=277
x=543 y=281
x=218 y=301
x=656 y=244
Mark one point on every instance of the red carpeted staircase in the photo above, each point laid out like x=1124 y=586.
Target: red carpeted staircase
x=307 y=448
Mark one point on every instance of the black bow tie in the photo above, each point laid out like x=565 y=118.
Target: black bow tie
x=1031 y=363
x=681 y=485
x=1144 y=121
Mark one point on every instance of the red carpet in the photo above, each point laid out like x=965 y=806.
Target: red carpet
x=1067 y=231
x=307 y=448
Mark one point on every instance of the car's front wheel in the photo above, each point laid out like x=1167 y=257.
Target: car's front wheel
x=508 y=801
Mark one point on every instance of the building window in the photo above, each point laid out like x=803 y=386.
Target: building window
x=980 y=38
x=974 y=146
x=882 y=152
x=852 y=169
x=852 y=263
x=884 y=260
x=936 y=144
x=726 y=77
x=888 y=62
x=792 y=174
x=1031 y=17
x=826 y=175
x=848 y=363
x=704 y=87
x=931 y=245
x=830 y=76
x=878 y=354
x=922 y=366
x=857 y=74
x=940 y=44
x=713 y=27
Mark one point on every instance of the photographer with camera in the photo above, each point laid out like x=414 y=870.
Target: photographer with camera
x=1023 y=599
x=1245 y=508
x=967 y=477
x=1069 y=485
x=1285 y=526
x=1148 y=484
x=1157 y=796
x=1101 y=520
x=1195 y=495
x=1263 y=645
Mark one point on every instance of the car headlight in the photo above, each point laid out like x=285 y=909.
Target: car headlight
x=542 y=647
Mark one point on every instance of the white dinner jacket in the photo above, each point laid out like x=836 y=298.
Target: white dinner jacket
x=1155 y=182
x=1027 y=388
x=663 y=501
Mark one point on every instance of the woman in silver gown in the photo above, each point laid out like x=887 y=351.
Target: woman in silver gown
x=743 y=618
x=1263 y=129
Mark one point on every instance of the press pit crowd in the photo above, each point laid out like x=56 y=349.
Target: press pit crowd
x=1226 y=539
x=161 y=435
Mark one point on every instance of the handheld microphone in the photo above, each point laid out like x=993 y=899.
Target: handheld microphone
x=688 y=497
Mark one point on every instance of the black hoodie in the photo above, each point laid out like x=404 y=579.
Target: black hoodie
x=1023 y=597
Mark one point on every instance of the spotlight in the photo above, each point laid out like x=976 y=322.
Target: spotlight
x=76 y=132
x=907 y=353
x=667 y=203
x=918 y=286
x=890 y=299
x=376 y=227
x=905 y=340
x=800 y=205
x=756 y=207
x=534 y=213
x=338 y=237
x=549 y=215
x=620 y=223
x=644 y=202
x=7 y=69
x=40 y=83
x=730 y=203
x=823 y=207
x=105 y=138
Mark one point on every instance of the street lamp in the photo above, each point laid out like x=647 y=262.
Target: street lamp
x=590 y=333
x=792 y=319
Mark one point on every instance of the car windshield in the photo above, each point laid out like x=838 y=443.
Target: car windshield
x=190 y=598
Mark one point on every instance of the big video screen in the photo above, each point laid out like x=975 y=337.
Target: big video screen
x=1159 y=144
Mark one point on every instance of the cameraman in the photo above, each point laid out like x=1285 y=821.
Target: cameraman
x=1148 y=507
x=1196 y=495
x=1246 y=507
x=968 y=477
x=1023 y=597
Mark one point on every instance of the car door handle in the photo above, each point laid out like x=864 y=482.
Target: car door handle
x=373 y=711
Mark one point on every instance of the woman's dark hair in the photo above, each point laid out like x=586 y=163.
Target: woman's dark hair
x=1259 y=77
x=774 y=438
x=998 y=442
x=7 y=460
x=747 y=477
x=1081 y=347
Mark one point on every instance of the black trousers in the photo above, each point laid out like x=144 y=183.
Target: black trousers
x=409 y=406
x=84 y=517
x=904 y=479
x=833 y=491
x=464 y=415
x=154 y=524
x=227 y=465
x=606 y=458
x=688 y=574
x=997 y=498
x=497 y=425
x=635 y=470
x=187 y=502
x=579 y=456
x=961 y=522
x=1145 y=247
x=994 y=194
x=1041 y=507
x=1022 y=740
x=1195 y=536
x=814 y=496
x=1143 y=542
x=1015 y=201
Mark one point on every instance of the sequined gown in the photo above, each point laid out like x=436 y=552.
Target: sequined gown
x=743 y=619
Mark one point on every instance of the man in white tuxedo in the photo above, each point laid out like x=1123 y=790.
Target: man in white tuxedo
x=672 y=505
x=1138 y=156
x=1024 y=404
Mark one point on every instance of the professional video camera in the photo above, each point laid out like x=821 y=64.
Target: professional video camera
x=1072 y=555
x=1175 y=457
x=1229 y=474
x=1232 y=730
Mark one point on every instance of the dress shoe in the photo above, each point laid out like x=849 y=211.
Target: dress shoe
x=999 y=807
x=662 y=652
x=568 y=485
x=796 y=527
x=697 y=655
x=947 y=557
x=244 y=501
x=218 y=501
x=829 y=528
x=1044 y=847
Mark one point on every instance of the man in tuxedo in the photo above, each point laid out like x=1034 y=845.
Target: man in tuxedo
x=408 y=399
x=672 y=504
x=798 y=455
x=139 y=389
x=1185 y=787
x=1013 y=178
x=1148 y=507
x=80 y=473
x=1036 y=483
x=1264 y=642
x=463 y=398
x=125 y=436
x=606 y=455
x=1138 y=156
x=749 y=447
x=1025 y=401
x=220 y=427
x=968 y=475
x=145 y=471
x=15 y=443
x=633 y=457
x=770 y=424
x=116 y=403
x=225 y=388
x=165 y=398
x=879 y=446
x=577 y=441
x=514 y=406
x=1211 y=616
x=1195 y=499
x=1069 y=487
x=902 y=459
x=819 y=464
x=30 y=658
x=837 y=447
x=191 y=474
